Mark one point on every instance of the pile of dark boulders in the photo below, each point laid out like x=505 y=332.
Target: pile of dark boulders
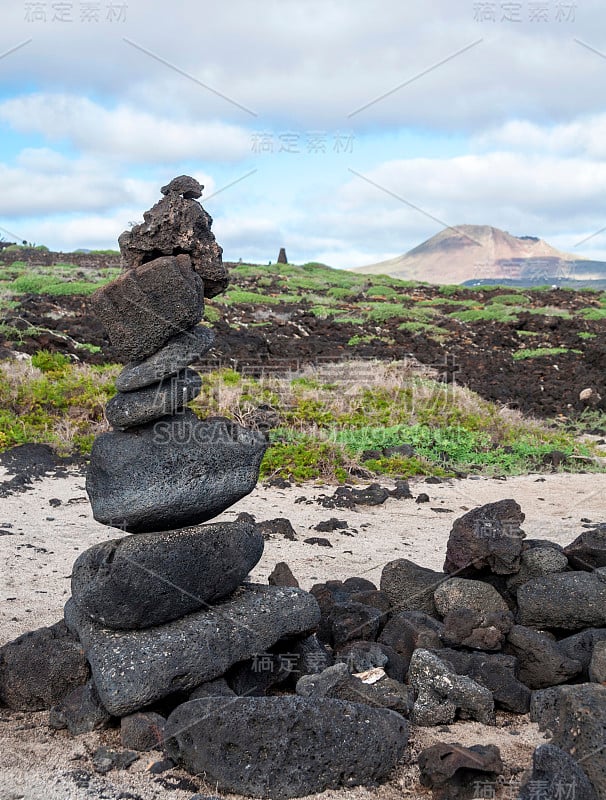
x=163 y=633
x=269 y=690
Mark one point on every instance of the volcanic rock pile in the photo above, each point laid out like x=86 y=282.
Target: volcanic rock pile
x=159 y=616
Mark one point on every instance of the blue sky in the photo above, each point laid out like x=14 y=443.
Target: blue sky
x=346 y=131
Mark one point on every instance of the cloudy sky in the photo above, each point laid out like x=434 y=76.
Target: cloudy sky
x=347 y=131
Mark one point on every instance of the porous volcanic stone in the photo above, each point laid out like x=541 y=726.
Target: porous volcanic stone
x=281 y=575
x=39 y=668
x=187 y=187
x=588 y=551
x=282 y=747
x=541 y=662
x=580 y=647
x=488 y=536
x=441 y=692
x=477 y=629
x=597 y=666
x=457 y=593
x=349 y=621
x=569 y=600
x=558 y=775
x=409 y=586
x=153 y=578
x=142 y=731
x=452 y=771
x=361 y=656
x=175 y=472
x=129 y=409
x=495 y=671
x=81 y=711
x=177 y=225
x=132 y=669
x=178 y=353
x=581 y=730
x=409 y=630
x=537 y=562
x=145 y=307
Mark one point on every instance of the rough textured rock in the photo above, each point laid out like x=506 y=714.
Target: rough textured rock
x=361 y=656
x=476 y=629
x=541 y=662
x=187 y=187
x=349 y=621
x=375 y=599
x=581 y=730
x=217 y=688
x=452 y=771
x=496 y=672
x=489 y=536
x=338 y=682
x=457 y=593
x=580 y=647
x=313 y=655
x=597 y=665
x=176 y=225
x=178 y=353
x=544 y=708
x=441 y=693
x=570 y=600
x=282 y=747
x=281 y=575
x=145 y=307
x=556 y=774
x=537 y=562
x=143 y=480
x=409 y=630
x=409 y=586
x=38 y=669
x=129 y=409
x=142 y=731
x=134 y=668
x=81 y=711
x=153 y=578
x=588 y=551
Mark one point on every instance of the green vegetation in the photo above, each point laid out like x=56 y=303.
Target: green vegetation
x=496 y=313
x=20 y=278
x=542 y=351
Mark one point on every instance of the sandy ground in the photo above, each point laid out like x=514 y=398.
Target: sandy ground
x=43 y=530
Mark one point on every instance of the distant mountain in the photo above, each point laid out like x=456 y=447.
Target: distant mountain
x=474 y=252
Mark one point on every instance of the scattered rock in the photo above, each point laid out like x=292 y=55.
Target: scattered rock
x=281 y=575
x=597 y=666
x=452 y=770
x=488 y=536
x=277 y=527
x=332 y=524
x=361 y=656
x=283 y=747
x=349 y=621
x=466 y=627
x=588 y=551
x=440 y=693
x=39 y=668
x=569 y=600
x=456 y=593
x=558 y=775
x=541 y=662
x=410 y=586
x=81 y=711
x=250 y=622
x=580 y=647
x=153 y=578
x=141 y=480
x=537 y=562
x=409 y=630
x=581 y=729
x=495 y=671
x=142 y=731
x=319 y=540
x=104 y=759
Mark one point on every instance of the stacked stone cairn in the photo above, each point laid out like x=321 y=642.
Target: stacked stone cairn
x=161 y=615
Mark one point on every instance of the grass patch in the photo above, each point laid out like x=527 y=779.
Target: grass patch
x=539 y=352
x=593 y=313
x=496 y=313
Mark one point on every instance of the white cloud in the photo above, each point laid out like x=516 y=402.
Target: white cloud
x=124 y=133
